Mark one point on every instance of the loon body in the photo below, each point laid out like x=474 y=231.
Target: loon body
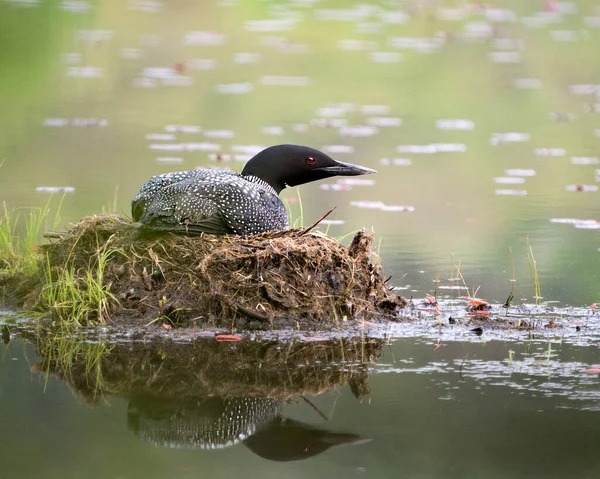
x=225 y=202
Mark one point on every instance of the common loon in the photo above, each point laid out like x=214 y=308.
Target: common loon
x=225 y=202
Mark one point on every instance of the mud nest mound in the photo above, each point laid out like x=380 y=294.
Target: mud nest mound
x=297 y=278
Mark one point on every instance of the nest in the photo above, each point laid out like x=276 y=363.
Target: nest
x=274 y=280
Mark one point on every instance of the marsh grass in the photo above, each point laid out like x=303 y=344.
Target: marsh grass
x=296 y=221
x=19 y=234
x=537 y=290
x=75 y=298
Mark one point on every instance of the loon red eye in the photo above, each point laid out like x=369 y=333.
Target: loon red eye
x=310 y=160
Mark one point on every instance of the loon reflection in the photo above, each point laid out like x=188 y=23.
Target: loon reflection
x=216 y=423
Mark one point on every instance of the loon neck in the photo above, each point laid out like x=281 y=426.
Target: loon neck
x=261 y=182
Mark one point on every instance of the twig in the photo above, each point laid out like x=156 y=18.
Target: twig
x=315 y=408
x=306 y=230
x=250 y=314
x=53 y=234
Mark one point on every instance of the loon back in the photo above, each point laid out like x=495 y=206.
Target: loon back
x=225 y=202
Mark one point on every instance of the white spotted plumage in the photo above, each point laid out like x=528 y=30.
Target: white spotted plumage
x=246 y=205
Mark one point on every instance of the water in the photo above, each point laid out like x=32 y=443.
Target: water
x=470 y=408
x=484 y=126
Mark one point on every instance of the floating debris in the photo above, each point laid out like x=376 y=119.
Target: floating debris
x=368 y=27
x=233 y=88
x=432 y=148
x=385 y=57
x=55 y=189
x=505 y=57
x=500 y=15
x=582 y=188
x=592 y=22
x=584 y=89
x=562 y=117
x=356 y=181
x=498 y=138
x=384 y=121
x=201 y=64
x=337 y=149
x=78 y=122
x=508 y=44
x=565 y=35
x=94 y=36
x=396 y=161
x=203 y=38
x=541 y=19
x=584 y=160
x=204 y=146
x=145 y=83
x=219 y=133
x=160 y=136
x=300 y=127
x=421 y=45
x=329 y=122
x=368 y=204
x=380 y=205
x=272 y=130
x=528 y=83
x=271 y=25
x=509 y=180
x=359 y=12
x=550 y=152
x=376 y=110
x=334 y=187
x=131 y=53
x=401 y=208
x=248 y=149
x=333 y=111
x=451 y=14
x=358 y=131
x=507 y=192
x=183 y=128
x=85 y=72
x=455 y=124
x=221 y=157
x=178 y=80
x=246 y=58
x=520 y=172
x=145 y=6
x=75 y=6
x=577 y=223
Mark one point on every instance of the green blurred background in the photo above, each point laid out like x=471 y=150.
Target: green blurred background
x=507 y=66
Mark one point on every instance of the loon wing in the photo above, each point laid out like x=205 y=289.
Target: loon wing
x=214 y=225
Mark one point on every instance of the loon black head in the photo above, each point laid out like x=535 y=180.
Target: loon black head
x=292 y=165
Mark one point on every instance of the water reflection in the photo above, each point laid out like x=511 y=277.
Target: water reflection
x=211 y=395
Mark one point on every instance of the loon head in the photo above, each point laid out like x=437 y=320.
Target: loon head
x=292 y=165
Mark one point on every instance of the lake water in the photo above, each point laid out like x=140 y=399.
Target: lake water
x=483 y=122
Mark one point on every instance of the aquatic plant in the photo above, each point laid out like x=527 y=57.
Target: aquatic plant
x=537 y=290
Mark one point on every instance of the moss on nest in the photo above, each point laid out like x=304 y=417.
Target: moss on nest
x=297 y=278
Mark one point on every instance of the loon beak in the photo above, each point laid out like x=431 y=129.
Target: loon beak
x=345 y=169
